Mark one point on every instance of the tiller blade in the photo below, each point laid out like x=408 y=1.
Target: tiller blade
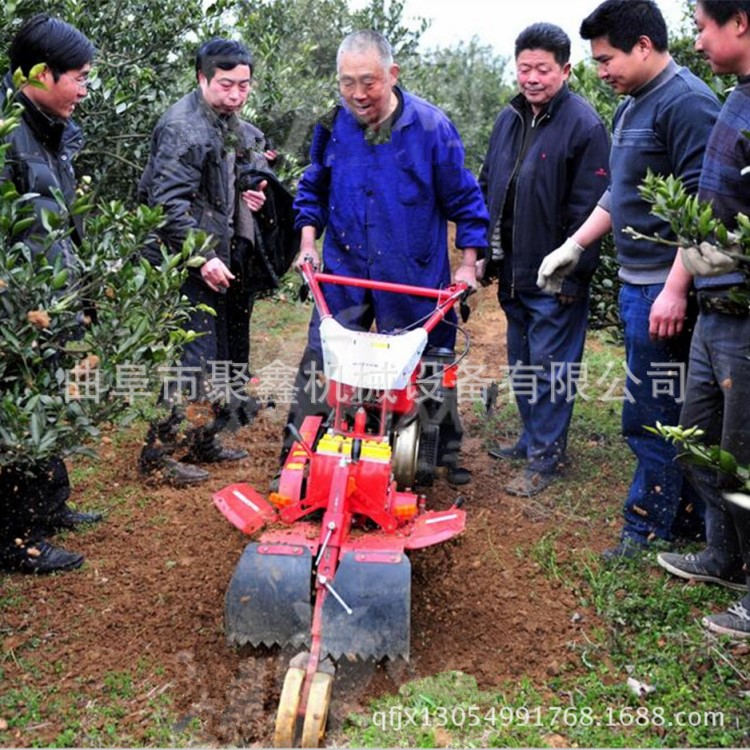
x=434 y=527
x=244 y=507
x=268 y=599
x=376 y=589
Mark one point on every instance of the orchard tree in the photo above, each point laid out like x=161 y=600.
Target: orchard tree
x=466 y=81
x=144 y=62
x=81 y=344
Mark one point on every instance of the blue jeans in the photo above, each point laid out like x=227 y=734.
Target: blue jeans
x=717 y=398
x=548 y=337
x=655 y=502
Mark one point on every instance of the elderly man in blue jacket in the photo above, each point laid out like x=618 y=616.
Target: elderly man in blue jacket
x=386 y=175
x=546 y=168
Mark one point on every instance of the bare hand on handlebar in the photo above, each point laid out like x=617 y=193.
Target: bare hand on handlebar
x=467 y=271
x=307 y=250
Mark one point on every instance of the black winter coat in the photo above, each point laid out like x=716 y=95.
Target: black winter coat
x=188 y=174
x=40 y=160
x=560 y=181
x=276 y=241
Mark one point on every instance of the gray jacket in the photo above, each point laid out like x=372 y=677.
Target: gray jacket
x=188 y=173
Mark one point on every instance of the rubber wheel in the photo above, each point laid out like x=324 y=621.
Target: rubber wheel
x=405 y=453
x=286 y=718
x=316 y=714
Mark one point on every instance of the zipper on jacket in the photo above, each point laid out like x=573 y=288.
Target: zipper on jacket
x=515 y=199
x=534 y=124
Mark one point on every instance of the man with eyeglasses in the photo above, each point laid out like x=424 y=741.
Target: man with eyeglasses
x=201 y=156
x=39 y=162
x=387 y=175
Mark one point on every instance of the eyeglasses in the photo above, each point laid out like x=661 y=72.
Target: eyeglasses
x=83 y=82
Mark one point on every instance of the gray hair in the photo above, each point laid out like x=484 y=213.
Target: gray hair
x=363 y=41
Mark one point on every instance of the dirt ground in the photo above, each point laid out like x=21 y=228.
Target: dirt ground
x=152 y=592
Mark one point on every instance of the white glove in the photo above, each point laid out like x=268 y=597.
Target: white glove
x=708 y=260
x=738 y=498
x=557 y=265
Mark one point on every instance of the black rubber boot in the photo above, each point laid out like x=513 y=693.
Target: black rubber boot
x=161 y=441
x=180 y=474
x=203 y=442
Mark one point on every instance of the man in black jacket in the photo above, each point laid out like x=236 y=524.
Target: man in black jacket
x=545 y=170
x=39 y=161
x=200 y=152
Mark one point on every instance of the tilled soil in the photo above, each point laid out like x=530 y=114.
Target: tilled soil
x=150 y=598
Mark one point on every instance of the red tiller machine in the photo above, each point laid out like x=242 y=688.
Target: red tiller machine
x=330 y=572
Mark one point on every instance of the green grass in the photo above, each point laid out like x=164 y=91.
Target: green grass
x=651 y=633
x=279 y=330
x=544 y=553
x=108 y=717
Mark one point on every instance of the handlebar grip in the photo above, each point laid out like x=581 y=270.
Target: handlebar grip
x=463 y=305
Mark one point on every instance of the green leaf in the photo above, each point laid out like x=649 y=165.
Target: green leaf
x=60 y=279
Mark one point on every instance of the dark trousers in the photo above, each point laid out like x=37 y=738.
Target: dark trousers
x=659 y=496
x=215 y=369
x=545 y=346
x=716 y=401
x=30 y=499
x=226 y=335
x=309 y=396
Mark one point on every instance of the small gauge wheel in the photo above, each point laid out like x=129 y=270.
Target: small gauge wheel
x=316 y=715
x=286 y=717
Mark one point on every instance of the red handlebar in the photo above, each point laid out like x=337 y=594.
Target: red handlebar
x=446 y=298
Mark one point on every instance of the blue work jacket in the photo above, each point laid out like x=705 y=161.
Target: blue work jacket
x=384 y=207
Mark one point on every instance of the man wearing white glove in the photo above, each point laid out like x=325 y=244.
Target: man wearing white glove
x=718 y=385
x=663 y=125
